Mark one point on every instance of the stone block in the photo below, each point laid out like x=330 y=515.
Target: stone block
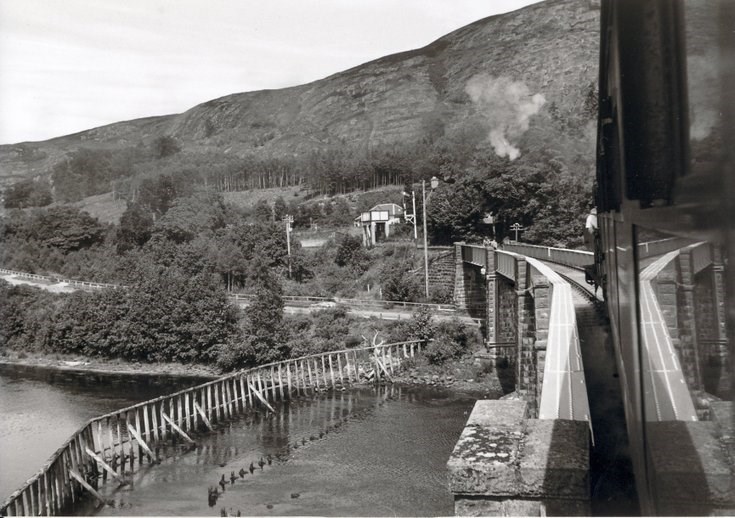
x=555 y=460
x=500 y=413
x=484 y=458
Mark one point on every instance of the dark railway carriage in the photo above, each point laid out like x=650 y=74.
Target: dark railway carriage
x=666 y=242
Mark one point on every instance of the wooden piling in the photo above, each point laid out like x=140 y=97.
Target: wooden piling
x=217 y=408
x=178 y=430
x=280 y=381
x=311 y=380
x=187 y=409
x=331 y=370
x=288 y=379
x=226 y=398
x=324 y=373
x=242 y=393
x=273 y=382
x=105 y=466
x=203 y=416
x=339 y=369
x=208 y=406
x=86 y=486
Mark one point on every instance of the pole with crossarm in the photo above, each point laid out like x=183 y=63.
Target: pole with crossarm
x=288 y=220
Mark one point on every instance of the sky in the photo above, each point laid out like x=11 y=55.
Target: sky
x=70 y=65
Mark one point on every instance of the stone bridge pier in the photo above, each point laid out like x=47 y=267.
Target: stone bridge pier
x=513 y=302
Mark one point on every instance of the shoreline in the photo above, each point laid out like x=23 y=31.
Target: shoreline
x=428 y=377
x=80 y=364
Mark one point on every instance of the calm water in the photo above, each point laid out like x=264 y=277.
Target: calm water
x=381 y=452
x=40 y=408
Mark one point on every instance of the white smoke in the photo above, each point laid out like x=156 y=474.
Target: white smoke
x=507 y=105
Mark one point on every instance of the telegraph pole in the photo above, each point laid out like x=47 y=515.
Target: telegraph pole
x=411 y=217
x=288 y=220
x=516 y=227
x=426 y=246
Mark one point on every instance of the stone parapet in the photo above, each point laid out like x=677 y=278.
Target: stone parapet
x=508 y=465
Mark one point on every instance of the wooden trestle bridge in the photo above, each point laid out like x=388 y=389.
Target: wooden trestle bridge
x=109 y=448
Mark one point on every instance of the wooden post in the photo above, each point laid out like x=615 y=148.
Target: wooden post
x=273 y=382
x=146 y=423
x=154 y=421
x=47 y=495
x=217 y=408
x=120 y=442
x=179 y=430
x=179 y=415
x=339 y=369
x=32 y=500
x=311 y=381
x=100 y=443
x=235 y=398
x=86 y=486
x=204 y=416
x=248 y=382
x=412 y=344
x=262 y=399
x=171 y=410
x=280 y=381
x=66 y=456
x=58 y=485
x=261 y=392
x=105 y=466
x=331 y=370
x=232 y=389
x=242 y=393
x=141 y=442
x=187 y=410
x=324 y=373
x=137 y=427
x=288 y=379
x=208 y=406
x=225 y=398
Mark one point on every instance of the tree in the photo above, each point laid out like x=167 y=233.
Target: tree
x=135 y=228
x=165 y=146
x=399 y=285
x=264 y=324
x=157 y=194
x=28 y=193
x=64 y=228
x=263 y=212
x=350 y=253
x=280 y=209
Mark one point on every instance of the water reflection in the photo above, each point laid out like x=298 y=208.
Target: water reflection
x=359 y=452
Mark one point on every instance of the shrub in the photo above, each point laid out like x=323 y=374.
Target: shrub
x=451 y=340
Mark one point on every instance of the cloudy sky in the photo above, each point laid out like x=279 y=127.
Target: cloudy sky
x=69 y=65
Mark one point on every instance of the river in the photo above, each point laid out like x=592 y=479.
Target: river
x=370 y=451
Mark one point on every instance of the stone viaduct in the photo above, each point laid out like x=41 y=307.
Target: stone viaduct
x=529 y=455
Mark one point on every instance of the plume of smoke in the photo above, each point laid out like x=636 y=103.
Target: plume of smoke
x=507 y=105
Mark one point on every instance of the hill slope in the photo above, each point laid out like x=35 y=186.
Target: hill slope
x=514 y=82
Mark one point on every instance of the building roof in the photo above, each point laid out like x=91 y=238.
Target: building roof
x=393 y=208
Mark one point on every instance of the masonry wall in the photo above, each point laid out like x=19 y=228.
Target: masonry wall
x=713 y=348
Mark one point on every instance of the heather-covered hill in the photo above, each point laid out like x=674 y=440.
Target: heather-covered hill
x=511 y=84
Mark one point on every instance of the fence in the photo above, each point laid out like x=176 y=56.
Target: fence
x=108 y=447
x=572 y=258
